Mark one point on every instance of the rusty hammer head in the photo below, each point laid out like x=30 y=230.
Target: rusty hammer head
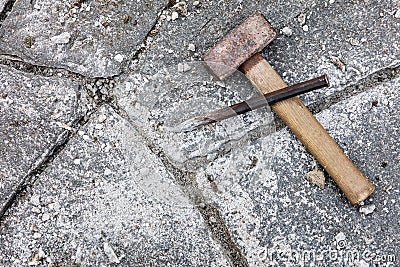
x=250 y=37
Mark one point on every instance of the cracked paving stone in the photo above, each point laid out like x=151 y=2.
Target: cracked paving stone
x=89 y=216
x=36 y=112
x=159 y=103
x=277 y=217
x=333 y=27
x=88 y=37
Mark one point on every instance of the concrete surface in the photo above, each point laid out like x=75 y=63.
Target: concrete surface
x=93 y=38
x=36 y=116
x=91 y=174
x=139 y=229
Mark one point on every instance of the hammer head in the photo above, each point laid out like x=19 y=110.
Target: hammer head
x=250 y=37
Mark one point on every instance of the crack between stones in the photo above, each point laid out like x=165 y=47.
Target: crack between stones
x=17 y=63
x=187 y=182
x=45 y=160
x=368 y=82
x=150 y=34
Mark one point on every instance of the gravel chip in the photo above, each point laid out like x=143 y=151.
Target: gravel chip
x=62 y=38
x=119 y=58
x=287 y=31
x=316 y=177
x=174 y=15
x=301 y=18
x=367 y=209
x=192 y=47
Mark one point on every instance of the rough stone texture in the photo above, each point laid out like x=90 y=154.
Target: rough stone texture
x=159 y=103
x=363 y=34
x=100 y=199
x=280 y=218
x=93 y=38
x=36 y=115
x=88 y=208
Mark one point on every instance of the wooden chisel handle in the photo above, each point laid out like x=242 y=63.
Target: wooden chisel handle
x=353 y=183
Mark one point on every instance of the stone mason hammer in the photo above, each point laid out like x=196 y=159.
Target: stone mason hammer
x=240 y=49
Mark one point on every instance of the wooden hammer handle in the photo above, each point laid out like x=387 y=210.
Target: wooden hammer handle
x=310 y=132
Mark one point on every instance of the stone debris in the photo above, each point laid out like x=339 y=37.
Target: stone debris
x=62 y=38
x=102 y=118
x=301 y=19
x=192 y=47
x=37 y=235
x=337 y=61
x=107 y=171
x=367 y=209
x=354 y=41
x=97 y=206
x=174 y=15
x=184 y=67
x=316 y=177
x=108 y=250
x=287 y=31
x=45 y=217
x=36 y=200
x=119 y=58
x=181 y=7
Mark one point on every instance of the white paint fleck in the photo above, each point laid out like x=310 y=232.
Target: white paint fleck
x=77 y=161
x=305 y=28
